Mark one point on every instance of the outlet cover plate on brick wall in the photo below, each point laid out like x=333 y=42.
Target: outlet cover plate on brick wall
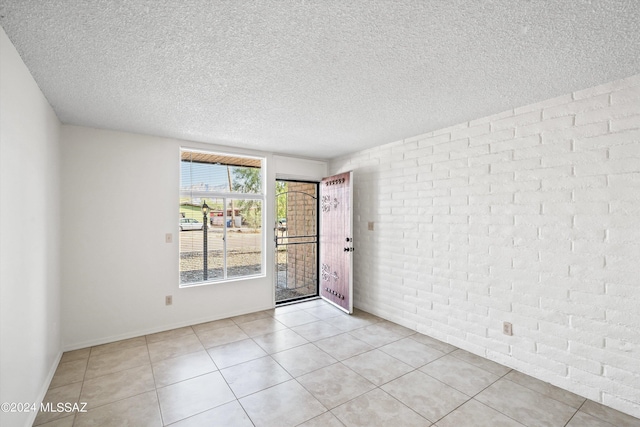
x=507 y=328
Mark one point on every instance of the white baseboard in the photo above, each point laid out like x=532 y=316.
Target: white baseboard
x=43 y=389
x=138 y=333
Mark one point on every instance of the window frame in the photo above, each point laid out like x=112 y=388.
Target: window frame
x=225 y=197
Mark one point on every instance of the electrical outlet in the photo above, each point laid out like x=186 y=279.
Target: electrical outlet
x=507 y=328
x=168 y=300
x=370 y=226
x=168 y=238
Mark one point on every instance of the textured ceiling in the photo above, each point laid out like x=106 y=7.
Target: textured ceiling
x=313 y=78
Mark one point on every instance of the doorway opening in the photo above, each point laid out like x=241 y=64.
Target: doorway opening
x=296 y=240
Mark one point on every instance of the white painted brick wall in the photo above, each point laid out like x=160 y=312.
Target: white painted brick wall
x=530 y=216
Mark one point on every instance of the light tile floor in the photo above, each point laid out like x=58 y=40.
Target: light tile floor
x=307 y=364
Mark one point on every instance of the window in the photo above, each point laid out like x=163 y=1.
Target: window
x=225 y=241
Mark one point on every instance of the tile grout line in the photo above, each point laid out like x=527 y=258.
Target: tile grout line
x=473 y=397
x=155 y=382
x=545 y=395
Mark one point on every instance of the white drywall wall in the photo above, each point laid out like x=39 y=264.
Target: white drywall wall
x=120 y=198
x=30 y=345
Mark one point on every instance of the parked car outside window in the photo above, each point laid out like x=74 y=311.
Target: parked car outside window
x=190 y=224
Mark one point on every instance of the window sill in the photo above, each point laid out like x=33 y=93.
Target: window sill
x=219 y=281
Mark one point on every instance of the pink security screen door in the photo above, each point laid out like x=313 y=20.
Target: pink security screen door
x=336 y=241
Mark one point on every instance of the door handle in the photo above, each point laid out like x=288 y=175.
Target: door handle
x=347 y=249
